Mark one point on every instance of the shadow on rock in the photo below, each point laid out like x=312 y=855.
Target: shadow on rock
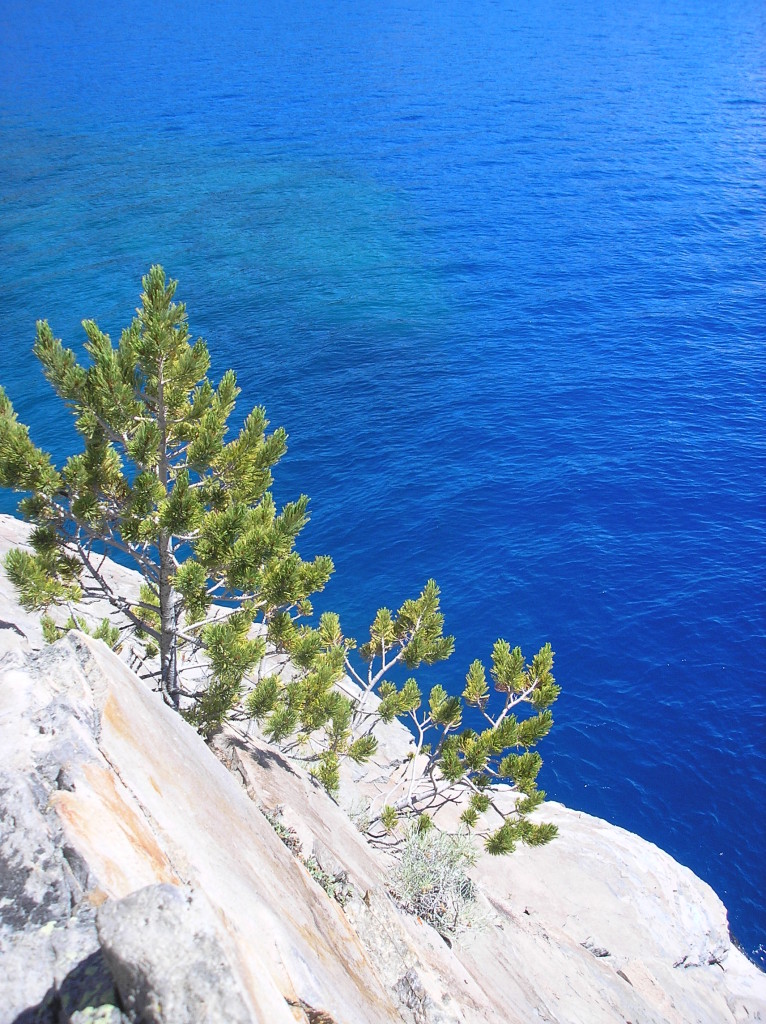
x=86 y=996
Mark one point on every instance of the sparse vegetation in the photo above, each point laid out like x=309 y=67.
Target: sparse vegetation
x=430 y=880
x=336 y=886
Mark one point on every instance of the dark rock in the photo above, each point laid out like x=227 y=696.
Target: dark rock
x=13 y=627
x=34 y=886
x=597 y=951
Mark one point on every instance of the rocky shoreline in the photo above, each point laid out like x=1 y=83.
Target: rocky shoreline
x=141 y=880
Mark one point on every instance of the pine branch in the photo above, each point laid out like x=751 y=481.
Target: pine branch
x=120 y=603
x=222 y=616
x=109 y=430
x=512 y=700
x=352 y=671
x=372 y=682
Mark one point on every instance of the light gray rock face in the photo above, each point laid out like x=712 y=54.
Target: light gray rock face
x=167 y=961
x=551 y=910
x=107 y=792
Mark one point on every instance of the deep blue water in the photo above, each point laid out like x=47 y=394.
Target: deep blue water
x=499 y=269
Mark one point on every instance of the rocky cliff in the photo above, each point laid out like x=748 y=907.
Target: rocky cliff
x=142 y=879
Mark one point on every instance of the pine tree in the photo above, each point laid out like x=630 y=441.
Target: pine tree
x=160 y=482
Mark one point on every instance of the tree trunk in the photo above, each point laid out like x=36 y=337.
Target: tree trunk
x=168 y=598
x=168 y=626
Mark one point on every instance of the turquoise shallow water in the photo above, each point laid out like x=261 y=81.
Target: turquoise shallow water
x=500 y=273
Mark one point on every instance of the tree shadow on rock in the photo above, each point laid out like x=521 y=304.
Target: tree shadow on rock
x=264 y=757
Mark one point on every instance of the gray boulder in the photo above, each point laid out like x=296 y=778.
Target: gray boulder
x=167 y=961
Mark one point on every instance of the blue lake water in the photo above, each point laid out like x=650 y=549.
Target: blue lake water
x=500 y=270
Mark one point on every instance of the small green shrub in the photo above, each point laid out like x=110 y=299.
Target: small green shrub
x=431 y=880
x=336 y=886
